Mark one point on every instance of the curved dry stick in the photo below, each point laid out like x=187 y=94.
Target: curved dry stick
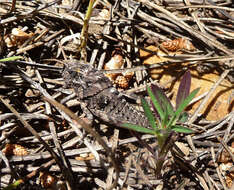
x=90 y=130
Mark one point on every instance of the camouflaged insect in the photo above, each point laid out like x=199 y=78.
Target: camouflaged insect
x=101 y=98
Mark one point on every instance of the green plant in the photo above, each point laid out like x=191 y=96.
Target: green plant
x=84 y=31
x=14 y=185
x=13 y=58
x=164 y=118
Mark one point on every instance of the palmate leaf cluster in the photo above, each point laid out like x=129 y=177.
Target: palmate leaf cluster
x=164 y=117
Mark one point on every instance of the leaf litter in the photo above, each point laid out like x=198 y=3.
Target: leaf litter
x=158 y=42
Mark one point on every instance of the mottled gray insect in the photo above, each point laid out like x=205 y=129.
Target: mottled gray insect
x=101 y=98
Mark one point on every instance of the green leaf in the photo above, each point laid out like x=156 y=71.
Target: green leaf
x=156 y=103
x=183 y=117
x=181 y=129
x=165 y=120
x=186 y=101
x=182 y=106
x=149 y=113
x=13 y=185
x=13 y=58
x=139 y=128
x=162 y=99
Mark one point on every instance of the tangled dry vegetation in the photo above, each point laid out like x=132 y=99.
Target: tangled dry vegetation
x=148 y=42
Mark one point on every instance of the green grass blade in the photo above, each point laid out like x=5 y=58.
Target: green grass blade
x=149 y=113
x=156 y=103
x=183 y=117
x=14 y=185
x=181 y=129
x=13 y=58
x=183 y=105
x=138 y=128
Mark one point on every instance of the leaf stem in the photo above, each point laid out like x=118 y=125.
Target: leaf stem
x=165 y=143
x=84 y=31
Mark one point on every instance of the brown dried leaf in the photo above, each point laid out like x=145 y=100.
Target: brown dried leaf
x=21 y=34
x=47 y=180
x=153 y=59
x=116 y=62
x=229 y=179
x=17 y=37
x=120 y=79
x=178 y=44
x=225 y=156
x=225 y=170
x=15 y=149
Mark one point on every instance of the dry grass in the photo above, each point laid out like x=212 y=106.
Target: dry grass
x=47 y=33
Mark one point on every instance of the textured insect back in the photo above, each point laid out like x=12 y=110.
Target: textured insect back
x=93 y=80
x=85 y=79
x=69 y=76
x=103 y=100
x=67 y=73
